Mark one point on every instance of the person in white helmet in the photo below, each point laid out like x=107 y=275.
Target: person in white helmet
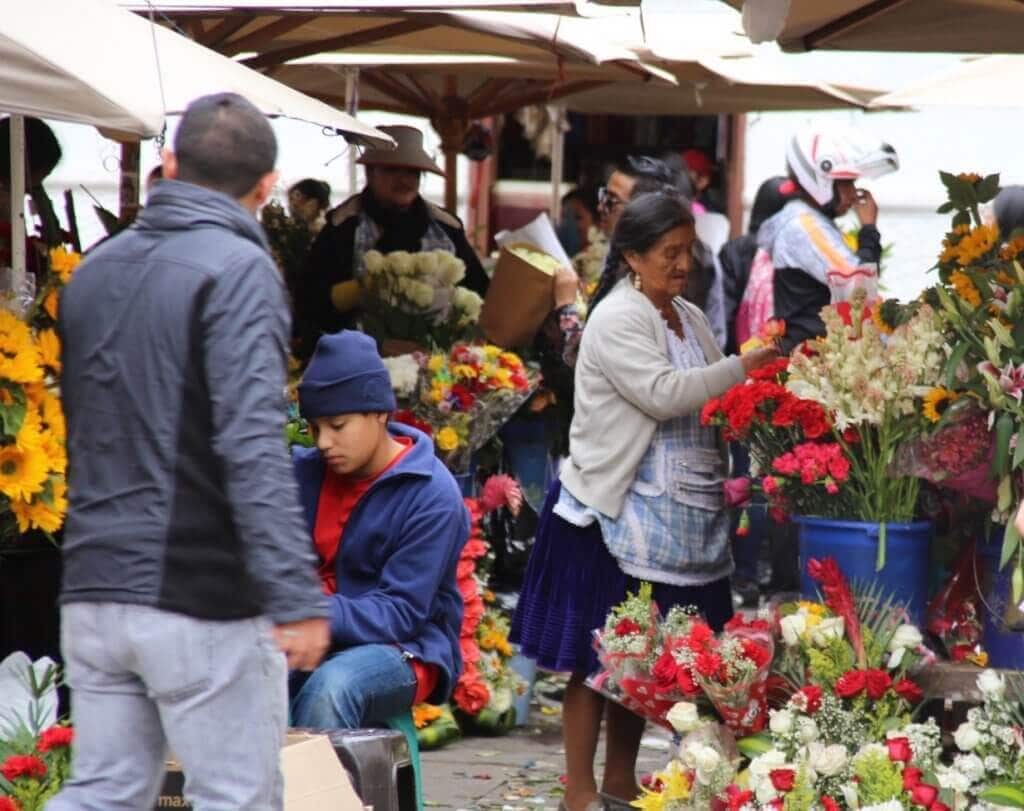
x=811 y=259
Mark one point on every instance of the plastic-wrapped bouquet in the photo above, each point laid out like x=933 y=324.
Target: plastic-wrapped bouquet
x=415 y=297
x=466 y=394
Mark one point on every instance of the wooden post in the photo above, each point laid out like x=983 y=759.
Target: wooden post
x=352 y=107
x=736 y=172
x=451 y=124
x=18 y=259
x=128 y=191
x=557 y=162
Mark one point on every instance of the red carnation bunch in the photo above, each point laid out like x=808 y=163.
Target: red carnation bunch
x=471 y=692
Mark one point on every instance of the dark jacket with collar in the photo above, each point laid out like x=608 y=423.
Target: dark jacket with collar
x=175 y=337
x=397 y=561
x=330 y=259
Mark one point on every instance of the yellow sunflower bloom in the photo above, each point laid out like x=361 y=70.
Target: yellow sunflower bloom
x=879 y=321
x=1012 y=249
x=30 y=436
x=936 y=402
x=22 y=472
x=965 y=288
x=977 y=243
x=63 y=263
x=49 y=349
x=969 y=177
x=56 y=453
x=40 y=512
x=447 y=439
x=53 y=415
x=50 y=304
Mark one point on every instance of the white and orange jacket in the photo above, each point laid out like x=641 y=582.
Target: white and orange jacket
x=810 y=255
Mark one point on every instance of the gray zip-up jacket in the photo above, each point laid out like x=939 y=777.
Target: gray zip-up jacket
x=181 y=492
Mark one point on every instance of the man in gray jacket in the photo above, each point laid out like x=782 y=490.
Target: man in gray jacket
x=189 y=582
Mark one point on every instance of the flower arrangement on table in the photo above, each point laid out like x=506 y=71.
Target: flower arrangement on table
x=824 y=425
x=415 y=297
x=290 y=239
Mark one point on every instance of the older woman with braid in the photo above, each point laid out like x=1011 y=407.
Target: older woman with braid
x=641 y=496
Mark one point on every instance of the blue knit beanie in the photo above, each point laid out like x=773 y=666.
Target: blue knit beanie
x=345 y=376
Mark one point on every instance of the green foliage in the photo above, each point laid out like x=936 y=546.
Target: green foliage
x=879 y=778
x=830 y=662
x=803 y=796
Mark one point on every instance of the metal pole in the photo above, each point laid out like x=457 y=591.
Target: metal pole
x=557 y=162
x=17 y=203
x=352 y=107
x=128 y=189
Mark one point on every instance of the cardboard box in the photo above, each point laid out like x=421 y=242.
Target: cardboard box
x=518 y=300
x=314 y=779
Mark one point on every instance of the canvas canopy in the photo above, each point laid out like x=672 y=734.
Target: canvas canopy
x=991 y=81
x=965 y=26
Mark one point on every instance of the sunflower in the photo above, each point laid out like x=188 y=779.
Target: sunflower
x=49 y=349
x=936 y=402
x=45 y=511
x=976 y=244
x=63 y=263
x=1012 y=249
x=56 y=453
x=22 y=472
x=50 y=303
x=965 y=288
x=969 y=177
x=950 y=243
x=879 y=321
x=30 y=435
x=53 y=415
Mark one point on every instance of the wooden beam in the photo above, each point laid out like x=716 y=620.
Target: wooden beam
x=339 y=43
x=428 y=94
x=841 y=25
x=224 y=30
x=489 y=89
x=736 y=172
x=265 y=35
x=544 y=93
x=390 y=86
x=339 y=103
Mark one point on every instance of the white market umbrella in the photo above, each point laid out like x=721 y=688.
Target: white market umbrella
x=964 y=26
x=991 y=81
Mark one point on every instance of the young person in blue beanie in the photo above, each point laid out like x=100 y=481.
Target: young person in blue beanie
x=389 y=524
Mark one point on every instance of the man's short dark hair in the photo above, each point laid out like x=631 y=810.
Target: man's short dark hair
x=42 y=150
x=224 y=143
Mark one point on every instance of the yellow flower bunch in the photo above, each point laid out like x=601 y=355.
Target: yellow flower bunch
x=447 y=439
x=965 y=288
x=936 y=402
x=978 y=242
x=951 y=242
x=673 y=785
x=64 y=262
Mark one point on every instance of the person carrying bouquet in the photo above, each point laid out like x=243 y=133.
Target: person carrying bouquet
x=813 y=264
x=641 y=495
x=389 y=215
x=388 y=524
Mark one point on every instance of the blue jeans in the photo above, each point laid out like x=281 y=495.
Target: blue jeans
x=362 y=686
x=144 y=681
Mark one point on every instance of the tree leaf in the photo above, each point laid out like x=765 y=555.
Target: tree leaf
x=1008 y=794
x=953 y=363
x=754 y=745
x=988 y=188
x=1004 y=430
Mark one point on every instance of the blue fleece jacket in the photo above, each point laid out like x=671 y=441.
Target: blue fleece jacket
x=397 y=560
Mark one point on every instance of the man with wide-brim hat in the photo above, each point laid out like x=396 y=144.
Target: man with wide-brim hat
x=388 y=215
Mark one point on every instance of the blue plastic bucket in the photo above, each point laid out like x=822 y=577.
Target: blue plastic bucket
x=854 y=545
x=1005 y=647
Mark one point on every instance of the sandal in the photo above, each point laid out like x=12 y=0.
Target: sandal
x=593 y=805
x=615 y=803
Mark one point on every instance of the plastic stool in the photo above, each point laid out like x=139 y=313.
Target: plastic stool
x=405 y=725
x=380 y=765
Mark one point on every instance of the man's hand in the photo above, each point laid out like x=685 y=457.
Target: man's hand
x=757 y=358
x=567 y=286
x=866 y=208
x=304 y=642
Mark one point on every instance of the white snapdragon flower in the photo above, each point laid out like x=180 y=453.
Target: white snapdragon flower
x=781 y=722
x=992 y=685
x=793 y=627
x=966 y=737
x=684 y=717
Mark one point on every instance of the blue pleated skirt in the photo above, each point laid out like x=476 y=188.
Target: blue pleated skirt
x=572 y=582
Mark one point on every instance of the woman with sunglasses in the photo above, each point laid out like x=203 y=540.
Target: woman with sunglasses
x=641 y=496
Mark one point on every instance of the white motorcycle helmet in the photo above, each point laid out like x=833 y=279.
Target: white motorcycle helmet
x=819 y=156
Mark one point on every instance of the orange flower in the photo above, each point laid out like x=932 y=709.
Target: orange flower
x=425 y=714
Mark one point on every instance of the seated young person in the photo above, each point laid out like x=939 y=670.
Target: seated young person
x=389 y=525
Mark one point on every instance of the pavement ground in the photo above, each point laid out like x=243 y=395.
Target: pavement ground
x=521 y=771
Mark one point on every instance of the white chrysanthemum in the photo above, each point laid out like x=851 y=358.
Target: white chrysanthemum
x=992 y=685
x=966 y=737
x=374 y=262
x=401 y=263
x=468 y=304
x=404 y=372
x=452 y=270
x=428 y=265
x=420 y=294
x=827 y=760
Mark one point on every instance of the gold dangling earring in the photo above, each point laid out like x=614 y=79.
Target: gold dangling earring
x=637 y=284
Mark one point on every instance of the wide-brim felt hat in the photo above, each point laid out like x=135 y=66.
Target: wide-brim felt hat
x=408 y=153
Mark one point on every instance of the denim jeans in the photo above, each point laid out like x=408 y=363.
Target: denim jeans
x=144 y=681
x=361 y=686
